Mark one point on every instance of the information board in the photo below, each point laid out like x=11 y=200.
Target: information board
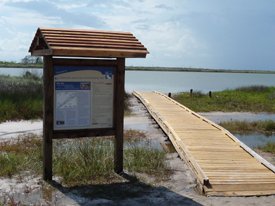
x=83 y=97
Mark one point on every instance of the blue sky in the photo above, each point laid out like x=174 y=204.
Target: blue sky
x=225 y=34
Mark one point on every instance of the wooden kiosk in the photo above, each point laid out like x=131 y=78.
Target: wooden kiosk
x=83 y=77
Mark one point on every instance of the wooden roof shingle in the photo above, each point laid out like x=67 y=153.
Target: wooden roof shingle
x=86 y=43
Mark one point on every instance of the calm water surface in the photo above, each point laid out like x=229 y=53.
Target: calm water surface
x=184 y=81
x=255 y=140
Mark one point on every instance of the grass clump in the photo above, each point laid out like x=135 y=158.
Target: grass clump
x=9 y=164
x=82 y=161
x=145 y=159
x=21 y=154
x=266 y=127
x=269 y=147
x=244 y=99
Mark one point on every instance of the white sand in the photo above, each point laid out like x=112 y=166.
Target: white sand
x=13 y=129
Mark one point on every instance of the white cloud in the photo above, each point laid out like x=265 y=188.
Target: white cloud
x=158 y=26
x=20 y=18
x=170 y=38
x=152 y=21
x=15 y=47
x=14 y=1
x=17 y=30
x=32 y=19
x=70 y=6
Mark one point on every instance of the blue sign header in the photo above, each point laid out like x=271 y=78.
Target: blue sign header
x=65 y=69
x=72 y=85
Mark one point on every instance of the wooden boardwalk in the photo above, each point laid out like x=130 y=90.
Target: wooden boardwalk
x=223 y=165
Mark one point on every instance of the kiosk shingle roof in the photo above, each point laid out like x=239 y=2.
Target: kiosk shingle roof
x=86 y=43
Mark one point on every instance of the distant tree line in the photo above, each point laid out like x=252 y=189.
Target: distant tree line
x=32 y=60
x=27 y=62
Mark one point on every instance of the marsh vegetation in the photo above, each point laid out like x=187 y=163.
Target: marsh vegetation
x=244 y=127
x=21 y=97
x=269 y=147
x=244 y=99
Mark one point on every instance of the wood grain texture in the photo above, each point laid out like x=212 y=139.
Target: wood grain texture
x=223 y=165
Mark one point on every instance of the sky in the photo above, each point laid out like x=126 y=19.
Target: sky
x=217 y=34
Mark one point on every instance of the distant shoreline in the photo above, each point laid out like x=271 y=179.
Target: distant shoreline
x=19 y=65
x=174 y=69
x=159 y=69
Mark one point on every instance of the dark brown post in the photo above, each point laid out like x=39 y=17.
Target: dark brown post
x=169 y=94
x=48 y=117
x=210 y=94
x=119 y=114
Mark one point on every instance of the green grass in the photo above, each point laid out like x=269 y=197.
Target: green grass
x=82 y=161
x=269 y=147
x=266 y=127
x=144 y=159
x=22 y=154
x=245 y=99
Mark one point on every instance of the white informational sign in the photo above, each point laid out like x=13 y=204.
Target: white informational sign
x=83 y=97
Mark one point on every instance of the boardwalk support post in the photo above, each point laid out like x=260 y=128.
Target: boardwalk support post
x=191 y=92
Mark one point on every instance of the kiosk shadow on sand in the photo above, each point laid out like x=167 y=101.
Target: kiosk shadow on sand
x=131 y=192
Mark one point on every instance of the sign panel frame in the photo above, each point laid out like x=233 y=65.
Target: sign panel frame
x=83 y=97
x=86 y=132
x=48 y=117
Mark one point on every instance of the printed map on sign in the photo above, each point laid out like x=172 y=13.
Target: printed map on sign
x=83 y=97
x=73 y=100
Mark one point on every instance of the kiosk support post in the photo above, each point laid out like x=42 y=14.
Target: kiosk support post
x=119 y=114
x=48 y=117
